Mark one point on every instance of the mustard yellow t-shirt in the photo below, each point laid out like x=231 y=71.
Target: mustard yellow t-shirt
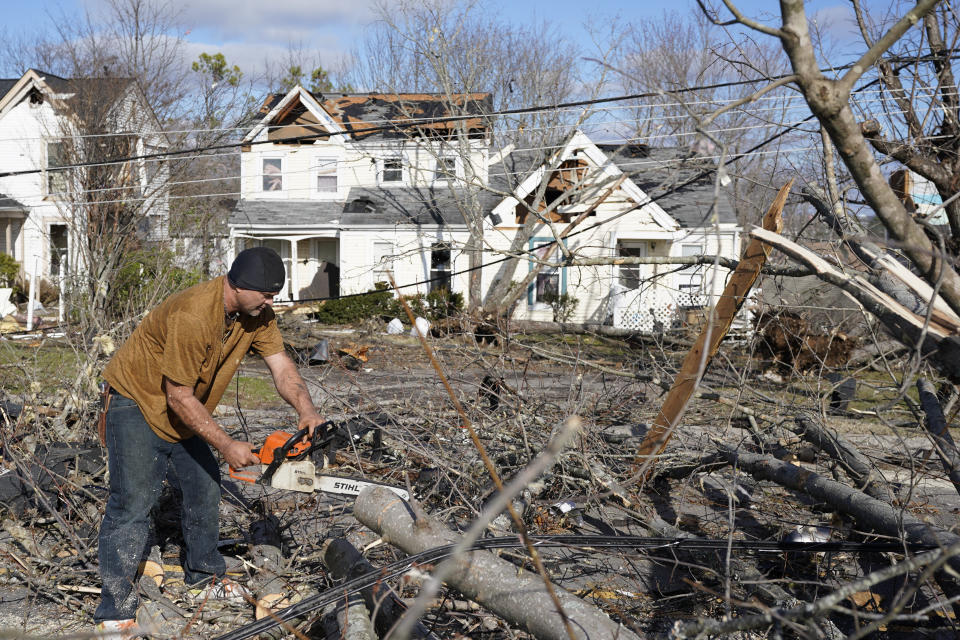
x=185 y=339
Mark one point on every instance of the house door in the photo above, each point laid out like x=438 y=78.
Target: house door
x=629 y=276
x=321 y=270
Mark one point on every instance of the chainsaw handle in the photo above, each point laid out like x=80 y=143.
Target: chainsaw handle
x=246 y=476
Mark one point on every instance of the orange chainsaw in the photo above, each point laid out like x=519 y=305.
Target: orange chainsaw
x=287 y=461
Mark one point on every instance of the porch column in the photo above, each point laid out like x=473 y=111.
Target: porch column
x=294 y=275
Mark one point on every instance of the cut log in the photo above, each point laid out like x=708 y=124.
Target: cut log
x=481 y=576
x=936 y=426
x=345 y=561
x=354 y=619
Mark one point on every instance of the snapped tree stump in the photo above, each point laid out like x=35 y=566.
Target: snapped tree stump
x=481 y=576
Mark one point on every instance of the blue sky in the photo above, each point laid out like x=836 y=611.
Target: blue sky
x=247 y=31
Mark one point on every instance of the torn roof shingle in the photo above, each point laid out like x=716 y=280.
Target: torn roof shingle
x=659 y=170
x=90 y=90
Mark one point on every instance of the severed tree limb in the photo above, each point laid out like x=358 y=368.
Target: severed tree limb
x=821 y=606
x=933 y=341
x=708 y=342
x=353 y=618
x=481 y=576
x=869 y=513
x=840 y=449
x=494 y=507
x=491 y=468
x=936 y=426
x=345 y=561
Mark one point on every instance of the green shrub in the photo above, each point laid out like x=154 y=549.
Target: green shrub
x=148 y=276
x=354 y=308
x=380 y=303
x=9 y=268
x=563 y=305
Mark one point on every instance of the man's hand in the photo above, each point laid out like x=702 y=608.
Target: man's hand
x=239 y=454
x=310 y=420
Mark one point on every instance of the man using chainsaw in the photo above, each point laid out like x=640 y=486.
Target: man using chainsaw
x=164 y=384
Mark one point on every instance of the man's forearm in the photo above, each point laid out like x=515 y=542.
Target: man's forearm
x=293 y=389
x=196 y=418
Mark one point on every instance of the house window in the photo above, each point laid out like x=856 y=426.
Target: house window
x=446 y=169
x=382 y=261
x=273 y=174
x=57 y=183
x=326 y=175
x=10 y=229
x=630 y=273
x=392 y=171
x=440 y=266
x=690 y=280
x=58 y=250
x=551 y=280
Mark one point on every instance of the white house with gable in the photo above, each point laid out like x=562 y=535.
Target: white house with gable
x=42 y=136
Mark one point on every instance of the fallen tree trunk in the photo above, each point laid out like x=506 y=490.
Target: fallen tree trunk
x=353 y=618
x=853 y=462
x=936 y=426
x=345 y=561
x=869 y=513
x=481 y=576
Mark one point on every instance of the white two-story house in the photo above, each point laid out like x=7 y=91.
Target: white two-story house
x=56 y=166
x=346 y=191
x=345 y=196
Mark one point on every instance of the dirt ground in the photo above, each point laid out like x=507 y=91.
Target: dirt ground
x=516 y=394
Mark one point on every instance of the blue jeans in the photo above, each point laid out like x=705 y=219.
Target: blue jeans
x=138 y=460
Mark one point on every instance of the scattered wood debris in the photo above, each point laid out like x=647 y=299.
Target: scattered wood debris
x=747 y=472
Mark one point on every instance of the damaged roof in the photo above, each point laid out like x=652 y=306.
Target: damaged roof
x=364 y=115
x=87 y=95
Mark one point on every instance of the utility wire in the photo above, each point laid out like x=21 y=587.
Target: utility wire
x=419 y=122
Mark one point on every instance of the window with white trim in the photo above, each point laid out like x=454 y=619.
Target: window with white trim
x=326 y=176
x=392 y=171
x=440 y=266
x=57 y=180
x=447 y=169
x=272 y=172
x=690 y=280
x=630 y=273
x=551 y=280
x=58 y=250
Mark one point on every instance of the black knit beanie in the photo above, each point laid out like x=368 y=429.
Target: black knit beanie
x=257 y=269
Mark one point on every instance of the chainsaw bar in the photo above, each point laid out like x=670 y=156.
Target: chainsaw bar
x=300 y=475
x=353 y=486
